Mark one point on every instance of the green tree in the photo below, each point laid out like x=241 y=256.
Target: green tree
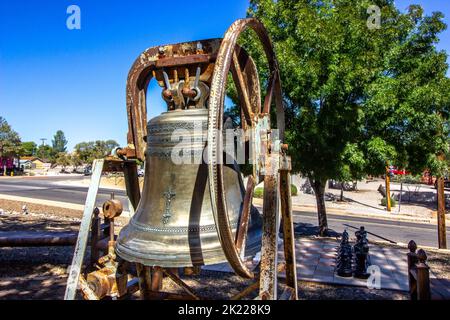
x=9 y=139
x=28 y=149
x=46 y=153
x=341 y=82
x=75 y=161
x=353 y=166
x=409 y=103
x=63 y=160
x=88 y=151
x=59 y=142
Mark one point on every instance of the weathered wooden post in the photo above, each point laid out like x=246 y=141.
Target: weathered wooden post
x=288 y=223
x=442 y=237
x=95 y=236
x=423 y=276
x=145 y=280
x=400 y=196
x=388 y=188
x=412 y=260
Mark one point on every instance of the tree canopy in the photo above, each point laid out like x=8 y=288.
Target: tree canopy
x=59 y=142
x=89 y=151
x=9 y=139
x=356 y=97
x=63 y=160
x=28 y=148
x=46 y=153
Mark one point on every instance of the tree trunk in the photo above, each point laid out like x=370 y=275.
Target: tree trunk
x=319 y=191
x=342 y=191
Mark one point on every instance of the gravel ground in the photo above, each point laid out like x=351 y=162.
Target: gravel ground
x=39 y=273
x=438 y=261
x=8 y=207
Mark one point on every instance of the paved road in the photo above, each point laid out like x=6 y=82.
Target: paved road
x=45 y=188
x=396 y=231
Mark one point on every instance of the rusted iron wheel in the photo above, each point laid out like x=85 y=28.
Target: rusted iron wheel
x=231 y=58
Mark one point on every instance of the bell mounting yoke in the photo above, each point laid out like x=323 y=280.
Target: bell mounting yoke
x=180 y=68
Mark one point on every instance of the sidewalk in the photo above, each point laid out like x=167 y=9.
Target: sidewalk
x=368 y=214
x=316 y=262
x=417 y=203
x=360 y=213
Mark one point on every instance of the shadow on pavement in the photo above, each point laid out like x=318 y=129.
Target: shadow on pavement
x=308 y=229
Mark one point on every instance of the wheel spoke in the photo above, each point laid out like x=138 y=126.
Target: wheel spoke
x=245 y=77
x=269 y=94
x=245 y=216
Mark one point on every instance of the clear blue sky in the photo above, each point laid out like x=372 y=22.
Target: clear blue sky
x=53 y=78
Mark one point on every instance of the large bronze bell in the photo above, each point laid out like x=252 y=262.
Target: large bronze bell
x=194 y=210
x=174 y=225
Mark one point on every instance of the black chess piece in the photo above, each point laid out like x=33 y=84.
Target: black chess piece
x=344 y=259
x=361 y=250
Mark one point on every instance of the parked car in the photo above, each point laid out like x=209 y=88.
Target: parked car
x=446 y=183
x=141 y=172
x=395 y=171
x=87 y=171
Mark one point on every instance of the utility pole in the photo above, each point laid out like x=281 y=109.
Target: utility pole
x=43 y=141
x=388 y=188
x=400 y=196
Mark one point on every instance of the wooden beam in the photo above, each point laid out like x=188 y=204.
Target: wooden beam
x=288 y=231
x=442 y=234
x=269 y=249
x=387 y=181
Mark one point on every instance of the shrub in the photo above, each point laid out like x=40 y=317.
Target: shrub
x=409 y=179
x=258 y=193
x=393 y=202
x=294 y=190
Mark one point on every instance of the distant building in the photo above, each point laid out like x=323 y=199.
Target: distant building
x=8 y=165
x=32 y=163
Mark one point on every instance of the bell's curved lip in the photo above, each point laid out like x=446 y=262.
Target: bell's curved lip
x=157 y=254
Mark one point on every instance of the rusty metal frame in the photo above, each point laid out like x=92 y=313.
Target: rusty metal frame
x=140 y=75
x=180 y=283
x=219 y=57
x=245 y=216
x=228 y=59
x=245 y=76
